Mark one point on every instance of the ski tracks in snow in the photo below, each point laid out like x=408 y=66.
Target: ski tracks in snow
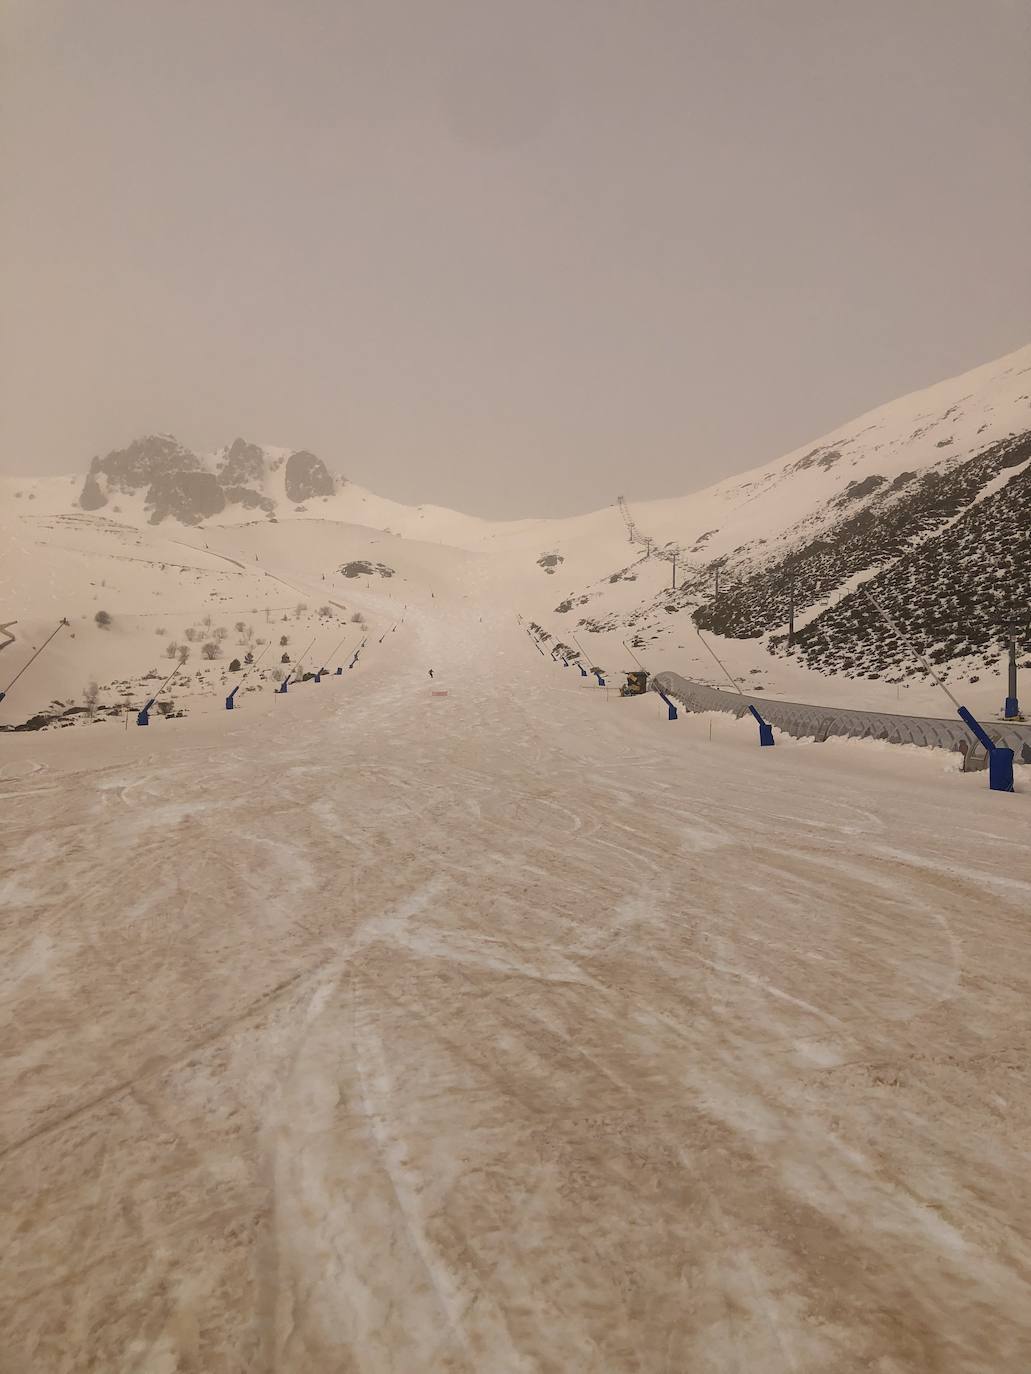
x=516 y=1030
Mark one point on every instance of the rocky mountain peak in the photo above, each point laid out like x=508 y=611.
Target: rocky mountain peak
x=242 y=465
x=176 y=483
x=307 y=476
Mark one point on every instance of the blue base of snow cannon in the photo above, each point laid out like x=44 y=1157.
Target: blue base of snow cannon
x=1000 y=770
x=143 y=717
x=673 y=713
x=1012 y=708
x=1000 y=760
x=338 y=672
x=765 y=730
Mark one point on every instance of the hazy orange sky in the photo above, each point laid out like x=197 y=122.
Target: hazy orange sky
x=510 y=257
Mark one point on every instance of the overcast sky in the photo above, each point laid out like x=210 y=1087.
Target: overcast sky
x=510 y=256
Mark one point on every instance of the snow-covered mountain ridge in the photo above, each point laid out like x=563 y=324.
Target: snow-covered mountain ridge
x=927 y=498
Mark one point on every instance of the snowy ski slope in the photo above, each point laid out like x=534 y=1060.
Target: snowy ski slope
x=511 y=1030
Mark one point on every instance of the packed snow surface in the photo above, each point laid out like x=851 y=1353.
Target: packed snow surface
x=513 y=1029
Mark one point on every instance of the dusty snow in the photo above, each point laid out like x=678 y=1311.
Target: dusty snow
x=513 y=1030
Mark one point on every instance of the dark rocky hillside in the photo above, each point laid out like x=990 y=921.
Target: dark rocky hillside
x=950 y=556
x=955 y=594
x=895 y=523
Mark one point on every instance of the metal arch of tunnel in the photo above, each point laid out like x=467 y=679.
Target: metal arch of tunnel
x=1000 y=759
x=765 y=729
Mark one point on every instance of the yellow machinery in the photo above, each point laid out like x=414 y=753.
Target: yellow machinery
x=636 y=684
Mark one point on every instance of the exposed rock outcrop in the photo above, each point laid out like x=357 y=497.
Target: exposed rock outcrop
x=242 y=466
x=188 y=497
x=177 y=484
x=249 y=499
x=92 y=498
x=362 y=568
x=128 y=469
x=306 y=477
